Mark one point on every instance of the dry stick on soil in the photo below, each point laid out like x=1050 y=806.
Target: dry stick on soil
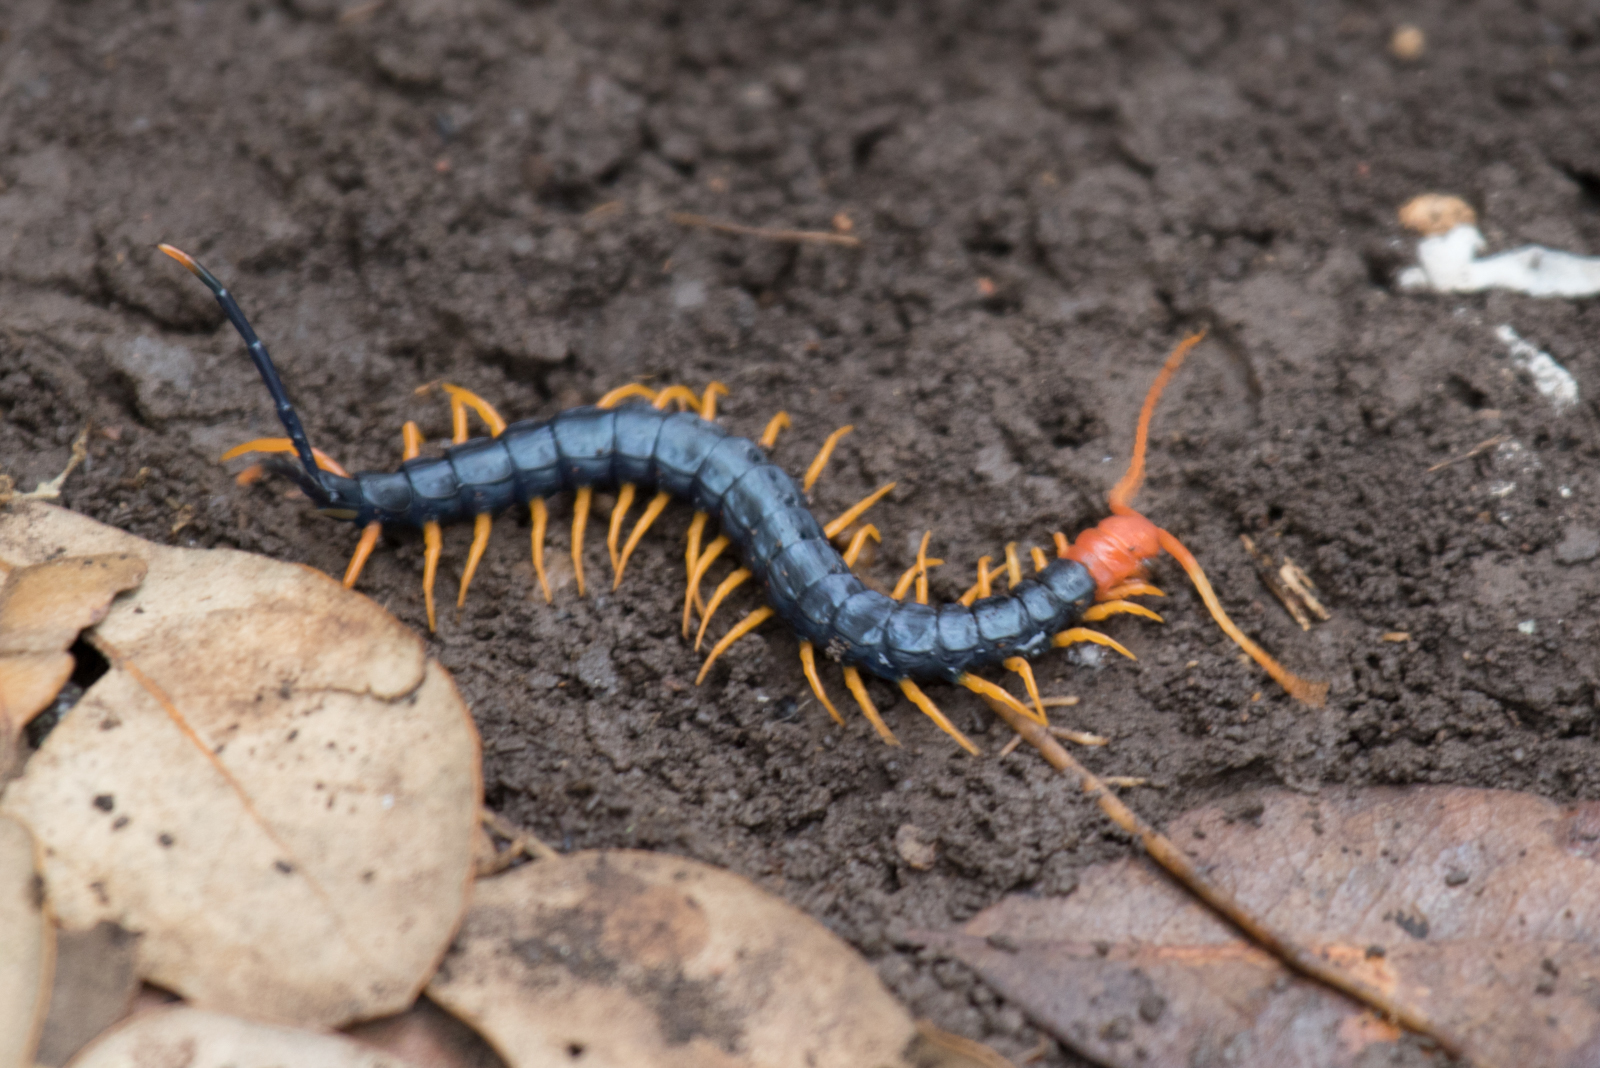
x=1182 y=869
x=804 y=237
x=1480 y=447
x=51 y=490
x=1288 y=584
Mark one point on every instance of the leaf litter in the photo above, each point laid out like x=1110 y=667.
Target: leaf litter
x=43 y=608
x=27 y=947
x=1478 y=910
x=196 y=1038
x=625 y=958
x=272 y=785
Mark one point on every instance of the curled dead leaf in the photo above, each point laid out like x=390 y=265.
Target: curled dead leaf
x=1479 y=909
x=271 y=785
x=195 y=1038
x=43 y=607
x=643 y=960
x=27 y=947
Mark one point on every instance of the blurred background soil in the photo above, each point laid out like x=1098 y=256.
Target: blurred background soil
x=1048 y=195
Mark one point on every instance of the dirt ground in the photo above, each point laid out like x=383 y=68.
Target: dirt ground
x=1048 y=195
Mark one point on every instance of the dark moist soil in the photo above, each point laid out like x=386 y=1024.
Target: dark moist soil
x=1047 y=196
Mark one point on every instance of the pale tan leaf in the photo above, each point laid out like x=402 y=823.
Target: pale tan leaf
x=643 y=960
x=27 y=948
x=272 y=785
x=184 y=1037
x=1477 y=909
x=94 y=986
x=43 y=607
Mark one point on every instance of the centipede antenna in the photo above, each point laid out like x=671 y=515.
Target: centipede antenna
x=258 y=355
x=1133 y=478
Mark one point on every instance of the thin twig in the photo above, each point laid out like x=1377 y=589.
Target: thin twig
x=51 y=490
x=804 y=237
x=519 y=843
x=1480 y=447
x=1181 y=868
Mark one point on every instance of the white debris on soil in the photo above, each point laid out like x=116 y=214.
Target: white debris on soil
x=1552 y=380
x=1448 y=263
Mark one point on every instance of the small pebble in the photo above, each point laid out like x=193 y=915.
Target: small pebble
x=1578 y=546
x=1407 y=43
x=912 y=843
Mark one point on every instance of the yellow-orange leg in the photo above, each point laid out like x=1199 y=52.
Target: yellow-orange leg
x=984 y=586
x=369 y=538
x=622 y=393
x=727 y=586
x=1130 y=589
x=769 y=436
x=917 y=573
x=651 y=511
x=854 y=512
x=682 y=394
x=814 y=472
x=1074 y=635
x=614 y=535
x=460 y=401
x=480 y=541
x=580 y=519
x=1013 y=565
x=1021 y=667
x=1040 y=561
x=714 y=550
x=541 y=519
x=931 y=710
x=808 y=664
x=740 y=629
x=708 y=401
x=433 y=545
x=324 y=461
x=852 y=682
x=858 y=541
x=691 y=556
x=994 y=694
x=1096 y=612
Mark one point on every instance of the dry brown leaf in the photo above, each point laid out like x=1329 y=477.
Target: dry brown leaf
x=27 y=948
x=643 y=960
x=428 y=1037
x=1480 y=909
x=43 y=607
x=272 y=785
x=184 y=1037
x=94 y=986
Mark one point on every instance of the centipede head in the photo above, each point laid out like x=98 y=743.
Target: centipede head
x=1120 y=547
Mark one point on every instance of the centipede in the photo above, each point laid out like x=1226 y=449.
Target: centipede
x=635 y=439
